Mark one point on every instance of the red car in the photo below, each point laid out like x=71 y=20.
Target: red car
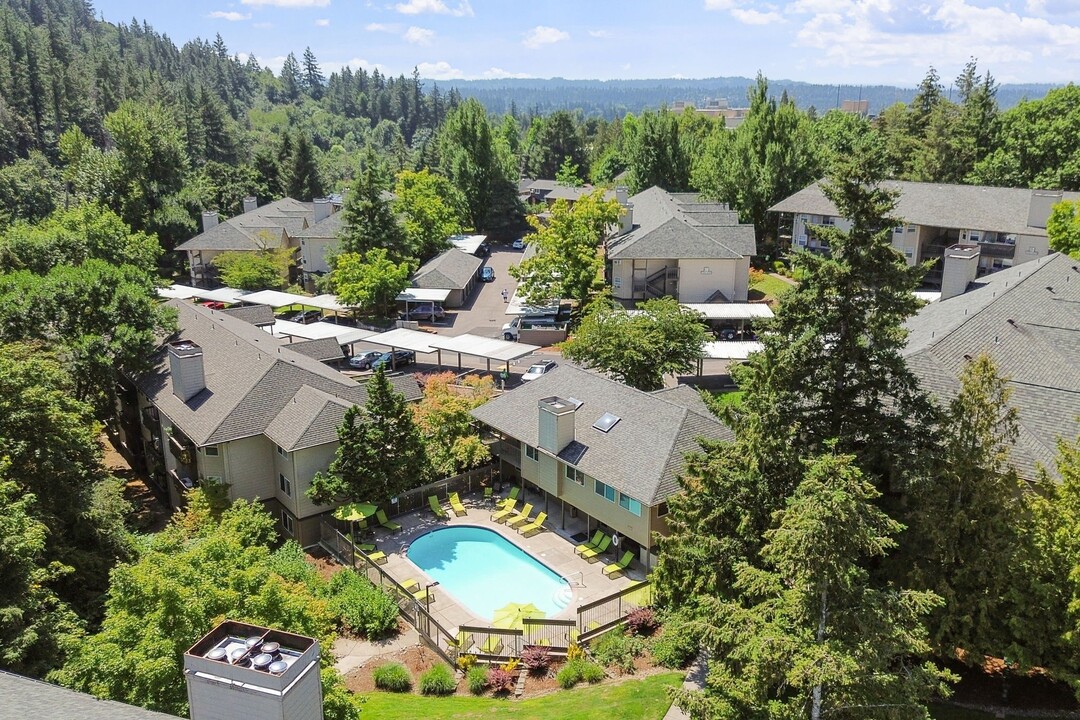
x=214 y=305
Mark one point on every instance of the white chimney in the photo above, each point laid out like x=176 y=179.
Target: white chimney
x=960 y=267
x=556 y=428
x=239 y=670
x=1040 y=205
x=626 y=218
x=622 y=194
x=209 y=219
x=322 y=209
x=186 y=369
x=250 y=203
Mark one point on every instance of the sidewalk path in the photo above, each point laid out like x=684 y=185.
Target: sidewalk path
x=695 y=680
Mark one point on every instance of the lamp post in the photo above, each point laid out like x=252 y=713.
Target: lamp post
x=427 y=595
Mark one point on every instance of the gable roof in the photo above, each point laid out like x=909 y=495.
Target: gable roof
x=251 y=376
x=270 y=224
x=450 y=270
x=682 y=227
x=641 y=456
x=1027 y=318
x=254 y=314
x=28 y=698
x=966 y=207
x=326 y=229
x=321 y=349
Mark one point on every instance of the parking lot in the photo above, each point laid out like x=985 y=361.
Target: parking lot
x=485 y=312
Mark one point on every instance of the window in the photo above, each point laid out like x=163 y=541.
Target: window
x=281 y=451
x=212 y=480
x=898 y=229
x=532 y=453
x=630 y=504
x=605 y=491
x=287 y=522
x=285 y=484
x=661 y=509
x=575 y=475
x=211 y=450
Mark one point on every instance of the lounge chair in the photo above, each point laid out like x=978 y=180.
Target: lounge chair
x=591 y=544
x=455 y=503
x=379 y=558
x=514 y=492
x=488 y=492
x=618 y=568
x=380 y=516
x=436 y=508
x=410 y=584
x=492 y=646
x=507 y=508
x=535 y=526
x=521 y=517
x=425 y=596
x=594 y=554
x=362 y=546
x=462 y=642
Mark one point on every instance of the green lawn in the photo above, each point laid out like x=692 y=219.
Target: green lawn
x=632 y=698
x=768 y=289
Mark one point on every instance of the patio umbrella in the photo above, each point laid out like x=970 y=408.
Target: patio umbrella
x=354 y=512
x=511 y=615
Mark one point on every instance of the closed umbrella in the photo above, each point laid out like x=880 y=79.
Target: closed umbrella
x=512 y=615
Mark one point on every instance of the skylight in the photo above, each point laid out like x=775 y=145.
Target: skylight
x=606 y=422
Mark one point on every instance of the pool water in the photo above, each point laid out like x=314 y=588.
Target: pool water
x=485 y=571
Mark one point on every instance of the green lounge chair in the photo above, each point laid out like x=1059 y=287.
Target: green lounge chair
x=455 y=503
x=492 y=646
x=514 y=492
x=591 y=544
x=410 y=584
x=521 y=517
x=462 y=642
x=594 y=554
x=618 y=568
x=380 y=516
x=425 y=596
x=488 y=492
x=507 y=508
x=436 y=508
x=535 y=526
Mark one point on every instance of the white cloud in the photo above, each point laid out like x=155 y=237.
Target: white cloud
x=356 y=64
x=756 y=17
x=543 y=35
x=441 y=70
x=231 y=15
x=599 y=33
x=287 y=3
x=381 y=27
x=496 y=73
x=419 y=35
x=262 y=25
x=437 y=7
x=323 y=22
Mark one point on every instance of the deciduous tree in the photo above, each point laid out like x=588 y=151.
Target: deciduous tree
x=431 y=210
x=1063 y=228
x=266 y=269
x=370 y=282
x=450 y=436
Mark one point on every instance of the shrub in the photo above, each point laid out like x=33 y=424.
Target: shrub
x=574 y=652
x=779 y=267
x=577 y=671
x=537 y=659
x=465 y=662
x=360 y=606
x=592 y=673
x=615 y=649
x=500 y=680
x=477 y=679
x=393 y=677
x=676 y=646
x=756 y=276
x=641 y=621
x=511 y=665
x=438 y=681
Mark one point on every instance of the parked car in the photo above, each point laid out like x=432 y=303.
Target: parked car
x=401 y=358
x=425 y=311
x=486 y=274
x=364 y=360
x=307 y=316
x=537 y=369
x=519 y=244
x=214 y=305
x=512 y=329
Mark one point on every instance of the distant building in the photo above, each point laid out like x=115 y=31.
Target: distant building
x=546 y=192
x=715 y=108
x=452 y=270
x=855 y=107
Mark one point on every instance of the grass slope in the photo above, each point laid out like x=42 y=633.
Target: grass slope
x=644 y=699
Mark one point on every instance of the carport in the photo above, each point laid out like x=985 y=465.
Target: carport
x=417 y=296
x=728 y=350
x=735 y=313
x=488 y=348
x=226 y=295
x=318 y=331
x=404 y=339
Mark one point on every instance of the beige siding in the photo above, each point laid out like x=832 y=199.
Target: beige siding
x=249 y=468
x=307 y=462
x=698 y=279
x=623 y=271
x=283 y=465
x=314 y=252
x=211 y=465
x=609 y=513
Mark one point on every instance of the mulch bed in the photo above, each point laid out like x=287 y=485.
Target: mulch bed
x=324 y=564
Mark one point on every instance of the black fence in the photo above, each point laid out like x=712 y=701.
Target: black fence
x=600 y=616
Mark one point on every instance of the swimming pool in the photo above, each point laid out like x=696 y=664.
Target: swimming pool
x=485 y=571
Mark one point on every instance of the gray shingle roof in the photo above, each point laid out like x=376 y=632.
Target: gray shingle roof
x=1027 y=319
x=667 y=226
x=321 y=349
x=24 y=698
x=327 y=228
x=254 y=314
x=451 y=270
x=967 y=207
x=253 y=230
x=311 y=418
x=642 y=456
x=250 y=377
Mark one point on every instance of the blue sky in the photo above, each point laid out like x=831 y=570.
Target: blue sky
x=829 y=41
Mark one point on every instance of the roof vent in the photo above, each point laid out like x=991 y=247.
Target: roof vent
x=606 y=422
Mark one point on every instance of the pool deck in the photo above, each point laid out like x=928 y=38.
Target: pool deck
x=553 y=547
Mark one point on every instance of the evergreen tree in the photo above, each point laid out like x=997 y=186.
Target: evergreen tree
x=369 y=219
x=381 y=453
x=312 y=80
x=653 y=153
x=467 y=153
x=291 y=79
x=303 y=181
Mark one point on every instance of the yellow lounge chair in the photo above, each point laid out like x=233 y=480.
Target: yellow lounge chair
x=492 y=646
x=410 y=584
x=507 y=508
x=379 y=558
x=380 y=516
x=591 y=544
x=521 y=517
x=425 y=595
x=436 y=507
x=535 y=526
x=455 y=504
x=618 y=568
x=594 y=554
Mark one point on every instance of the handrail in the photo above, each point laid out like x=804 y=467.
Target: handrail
x=615 y=595
x=579 y=573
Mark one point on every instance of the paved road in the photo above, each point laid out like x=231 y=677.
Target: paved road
x=485 y=312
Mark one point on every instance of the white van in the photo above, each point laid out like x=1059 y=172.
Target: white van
x=512 y=329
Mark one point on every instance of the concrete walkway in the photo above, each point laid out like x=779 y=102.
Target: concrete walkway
x=695 y=680
x=352 y=654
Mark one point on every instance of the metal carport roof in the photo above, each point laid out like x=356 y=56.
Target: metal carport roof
x=318 y=330
x=185 y=292
x=731 y=311
x=424 y=295
x=731 y=349
x=403 y=338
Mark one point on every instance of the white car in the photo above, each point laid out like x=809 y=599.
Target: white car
x=538 y=369
x=519 y=244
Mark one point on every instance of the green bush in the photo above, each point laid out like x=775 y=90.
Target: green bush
x=676 y=646
x=360 y=606
x=577 y=671
x=592 y=673
x=438 y=681
x=616 y=649
x=477 y=679
x=393 y=677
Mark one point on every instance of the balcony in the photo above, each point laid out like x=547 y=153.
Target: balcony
x=182 y=449
x=509 y=451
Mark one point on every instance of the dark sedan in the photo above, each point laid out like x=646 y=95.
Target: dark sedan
x=400 y=359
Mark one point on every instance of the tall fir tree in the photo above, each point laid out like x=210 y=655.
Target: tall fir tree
x=312 y=79
x=303 y=181
x=369 y=220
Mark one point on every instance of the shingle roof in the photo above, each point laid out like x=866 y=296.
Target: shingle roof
x=321 y=349
x=256 y=229
x=24 y=697
x=330 y=228
x=641 y=456
x=967 y=207
x=311 y=418
x=250 y=374
x=254 y=314
x=451 y=270
x=1027 y=319
x=674 y=226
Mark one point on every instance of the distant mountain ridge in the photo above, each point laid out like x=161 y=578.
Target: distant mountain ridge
x=614 y=98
